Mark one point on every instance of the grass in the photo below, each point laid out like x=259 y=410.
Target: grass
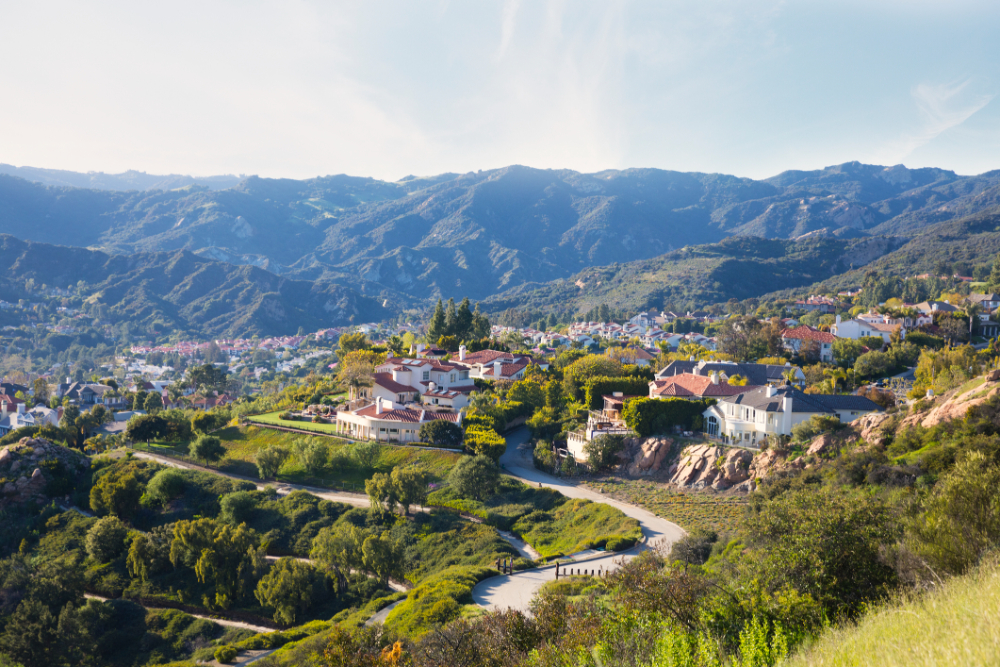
x=341 y=471
x=575 y=526
x=954 y=625
x=272 y=418
x=445 y=540
x=970 y=385
x=689 y=510
x=437 y=600
x=513 y=500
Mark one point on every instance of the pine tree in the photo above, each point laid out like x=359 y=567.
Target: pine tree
x=480 y=325
x=463 y=321
x=450 y=317
x=437 y=328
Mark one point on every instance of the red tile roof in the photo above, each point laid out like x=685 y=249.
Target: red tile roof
x=805 y=332
x=506 y=370
x=689 y=384
x=385 y=381
x=406 y=415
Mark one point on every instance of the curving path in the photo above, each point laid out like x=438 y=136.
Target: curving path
x=516 y=591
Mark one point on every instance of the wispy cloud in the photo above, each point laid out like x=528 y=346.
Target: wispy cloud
x=507 y=23
x=941 y=107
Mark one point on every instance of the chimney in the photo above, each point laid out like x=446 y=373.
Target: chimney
x=388 y=355
x=461 y=353
x=420 y=348
x=423 y=413
x=378 y=405
x=715 y=377
x=20 y=408
x=838 y=319
x=770 y=391
x=497 y=366
x=69 y=380
x=618 y=394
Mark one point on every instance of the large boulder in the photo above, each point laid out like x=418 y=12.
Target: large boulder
x=25 y=469
x=871 y=427
x=647 y=457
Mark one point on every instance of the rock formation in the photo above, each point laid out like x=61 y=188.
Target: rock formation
x=25 y=466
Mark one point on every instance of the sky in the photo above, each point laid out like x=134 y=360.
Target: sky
x=386 y=89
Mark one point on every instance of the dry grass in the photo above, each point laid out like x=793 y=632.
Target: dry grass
x=691 y=510
x=959 y=624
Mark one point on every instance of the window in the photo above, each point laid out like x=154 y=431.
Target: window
x=427 y=375
x=452 y=377
x=464 y=375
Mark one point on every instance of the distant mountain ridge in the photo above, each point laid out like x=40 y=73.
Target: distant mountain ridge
x=502 y=233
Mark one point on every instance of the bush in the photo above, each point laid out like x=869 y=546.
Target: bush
x=694 y=548
x=442 y=433
x=599 y=386
x=166 y=485
x=601 y=451
x=225 y=654
x=647 y=416
x=106 y=539
x=485 y=443
x=809 y=429
x=236 y=508
x=269 y=460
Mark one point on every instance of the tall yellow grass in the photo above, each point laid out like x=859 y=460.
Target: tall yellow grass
x=959 y=624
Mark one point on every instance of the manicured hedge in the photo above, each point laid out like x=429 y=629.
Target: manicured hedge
x=600 y=386
x=647 y=416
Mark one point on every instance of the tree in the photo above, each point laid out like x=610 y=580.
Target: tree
x=311 y=453
x=480 y=325
x=269 y=461
x=339 y=547
x=736 y=337
x=993 y=282
x=528 y=392
x=575 y=375
x=41 y=387
x=237 y=507
x=367 y=454
x=437 y=326
x=381 y=492
x=117 y=493
x=382 y=556
x=106 y=539
x=230 y=559
x=166 y=485
x=353 y=342
x=475 y=477
x=601 y=451
x=203 y=422
x=846 y=351
x=357 y=371
x=149 y=553
x=153 y=403
x=464 y=321
x=450 y=318
x=290 y=588
x=207 y=377
x=207 y=448
x=410 y=487
x=442 y=433
x=145 y=428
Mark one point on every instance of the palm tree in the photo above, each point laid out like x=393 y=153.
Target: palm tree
x=836 y=376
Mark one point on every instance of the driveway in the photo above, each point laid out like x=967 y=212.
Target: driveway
x=516 y=591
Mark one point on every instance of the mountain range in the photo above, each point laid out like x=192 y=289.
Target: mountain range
x=519 y=236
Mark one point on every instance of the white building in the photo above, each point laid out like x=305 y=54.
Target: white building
x=386 y=421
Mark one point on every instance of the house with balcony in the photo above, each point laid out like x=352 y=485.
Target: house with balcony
x=606 y=421
x=805 y=339
x=751 y=417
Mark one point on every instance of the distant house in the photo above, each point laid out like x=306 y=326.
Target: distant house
x=802 y=338
x=210 y=401
x=822 y=304
x=756 y=374
x=445 y=398
x=930 y=307
x=988 y=302
x=691 y=386
x=387 y=388
x=86 y=394
x=855 y=329
x=418 y=374
x=750 y=417
x=118 y=423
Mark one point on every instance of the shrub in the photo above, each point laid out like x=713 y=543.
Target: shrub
x=442 y=433
x=106 y=539
x=225 y=654
x=647 y=416
x=269 y=460
x=601 y=451
x=166 y=485
x=597 y=387
x=809 y=429
x=236 y=508
x=485 y=443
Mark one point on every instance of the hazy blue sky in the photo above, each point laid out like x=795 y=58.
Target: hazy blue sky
x=387 y=89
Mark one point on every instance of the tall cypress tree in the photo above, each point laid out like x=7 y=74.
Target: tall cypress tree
x=437 y=327
x=994 y=279
x=463 y=320
x=450 y=319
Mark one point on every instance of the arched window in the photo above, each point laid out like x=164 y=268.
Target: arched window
x=713 y=426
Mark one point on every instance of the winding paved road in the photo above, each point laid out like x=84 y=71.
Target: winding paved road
x=516 y=591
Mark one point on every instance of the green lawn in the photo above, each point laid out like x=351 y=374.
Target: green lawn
x=575 y=526
x=272 y=418
x=691 y=510
x=341 y=471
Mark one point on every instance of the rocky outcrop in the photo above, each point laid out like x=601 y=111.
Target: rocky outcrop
x=954 y=406
x=646 y=457
x=703 y=466
x=871 y=427
x=26 y=469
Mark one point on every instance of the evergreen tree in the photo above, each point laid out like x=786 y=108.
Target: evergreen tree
x=450 y=319
x=480 y=325
x=436 y=328
x=463 y=321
